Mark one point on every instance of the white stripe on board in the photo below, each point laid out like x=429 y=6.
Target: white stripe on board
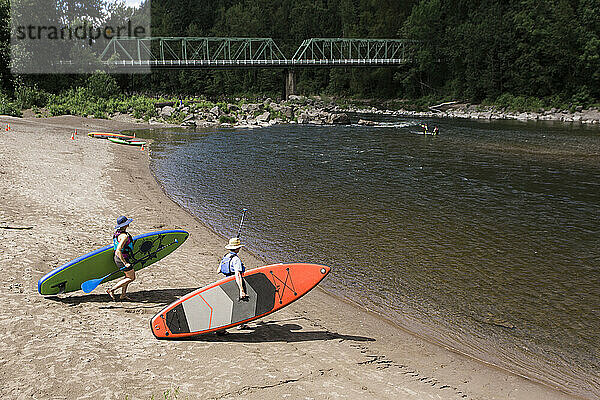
x=197 y=313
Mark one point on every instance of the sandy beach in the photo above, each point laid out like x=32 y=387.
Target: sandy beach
x=65 y=196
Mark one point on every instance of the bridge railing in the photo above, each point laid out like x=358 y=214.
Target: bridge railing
x=220 y=52
x=355 y=49
x=167 y=49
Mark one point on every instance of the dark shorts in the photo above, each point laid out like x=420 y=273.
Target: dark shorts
x=120 y=264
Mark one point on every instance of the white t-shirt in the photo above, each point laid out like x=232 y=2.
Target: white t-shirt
x=235 y=264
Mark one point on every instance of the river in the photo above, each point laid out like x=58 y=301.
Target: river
x=484 y=238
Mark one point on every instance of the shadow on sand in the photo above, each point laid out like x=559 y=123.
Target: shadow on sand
x=272 y=331
x=256 y=332
x=155 y=297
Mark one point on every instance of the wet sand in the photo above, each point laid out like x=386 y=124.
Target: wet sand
x=68 y=193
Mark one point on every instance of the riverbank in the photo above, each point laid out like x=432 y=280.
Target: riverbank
x=67 y=193
x=314 y=110
x=317 y=111
x=455 y=109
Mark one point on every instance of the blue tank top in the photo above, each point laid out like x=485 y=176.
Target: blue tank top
x=127 y=246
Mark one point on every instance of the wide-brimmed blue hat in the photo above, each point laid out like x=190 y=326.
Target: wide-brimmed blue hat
x=123 y=221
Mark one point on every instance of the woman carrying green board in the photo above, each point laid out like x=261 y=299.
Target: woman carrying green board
x=123 y=245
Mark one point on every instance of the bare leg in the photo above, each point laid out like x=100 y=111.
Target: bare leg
x=123 y=283
x=131 y=276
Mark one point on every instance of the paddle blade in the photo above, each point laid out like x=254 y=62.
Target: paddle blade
x=90 y=285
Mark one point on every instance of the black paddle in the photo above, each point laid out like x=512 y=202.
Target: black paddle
x=241 y=223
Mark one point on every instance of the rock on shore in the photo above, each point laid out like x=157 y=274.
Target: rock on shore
x=316 y=111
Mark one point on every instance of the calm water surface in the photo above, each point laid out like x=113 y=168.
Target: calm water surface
x=484 y=238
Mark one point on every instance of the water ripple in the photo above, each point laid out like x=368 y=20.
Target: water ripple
x=484 y=237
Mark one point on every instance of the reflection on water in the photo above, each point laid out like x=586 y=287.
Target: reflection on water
x=484 y=238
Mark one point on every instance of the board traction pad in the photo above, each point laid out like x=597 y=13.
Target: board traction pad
x=219 y=306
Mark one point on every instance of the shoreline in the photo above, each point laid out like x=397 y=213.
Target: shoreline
x=315 y=110
x=412 y=329
x=321 y=346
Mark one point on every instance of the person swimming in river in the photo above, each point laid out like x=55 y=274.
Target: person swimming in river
x=426 y=130
x=123 y=246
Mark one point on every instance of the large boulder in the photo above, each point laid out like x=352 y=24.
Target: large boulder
x=304 y=118
x=189 y=120
x=166 y=112
x=264 y=117
x=591 y=115
x=215 y=111
x=253 y=107
x=338 y=119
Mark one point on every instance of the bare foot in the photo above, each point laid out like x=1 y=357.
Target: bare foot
x=124 y=297
x=111 y=293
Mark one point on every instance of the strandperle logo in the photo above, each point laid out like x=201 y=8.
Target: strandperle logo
x=82 y=32
x=74 y=36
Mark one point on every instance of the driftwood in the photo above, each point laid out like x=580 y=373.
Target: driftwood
x=15 y=227
x=437 y=107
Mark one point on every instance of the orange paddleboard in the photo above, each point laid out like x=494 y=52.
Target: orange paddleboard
x=217 y=306
x=106 y=135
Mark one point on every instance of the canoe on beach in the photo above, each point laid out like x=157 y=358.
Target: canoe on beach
x=106 y=135
x=127 y=141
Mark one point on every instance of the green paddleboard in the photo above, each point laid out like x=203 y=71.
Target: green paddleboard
x=129 y=142
x=147 y=249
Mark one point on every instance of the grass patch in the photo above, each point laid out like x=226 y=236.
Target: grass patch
x=9 y=107
x=227 y=119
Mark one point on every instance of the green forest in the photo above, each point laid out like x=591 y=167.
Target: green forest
x=514 y=53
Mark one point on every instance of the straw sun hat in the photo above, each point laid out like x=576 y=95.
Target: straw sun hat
x=234 y=243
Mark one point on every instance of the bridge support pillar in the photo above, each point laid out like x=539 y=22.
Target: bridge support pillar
x=289 y=76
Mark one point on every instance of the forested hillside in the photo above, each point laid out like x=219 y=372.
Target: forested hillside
x=544 y=51
x=540 y=48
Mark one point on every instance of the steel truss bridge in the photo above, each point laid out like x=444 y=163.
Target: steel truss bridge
x=220 y=52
